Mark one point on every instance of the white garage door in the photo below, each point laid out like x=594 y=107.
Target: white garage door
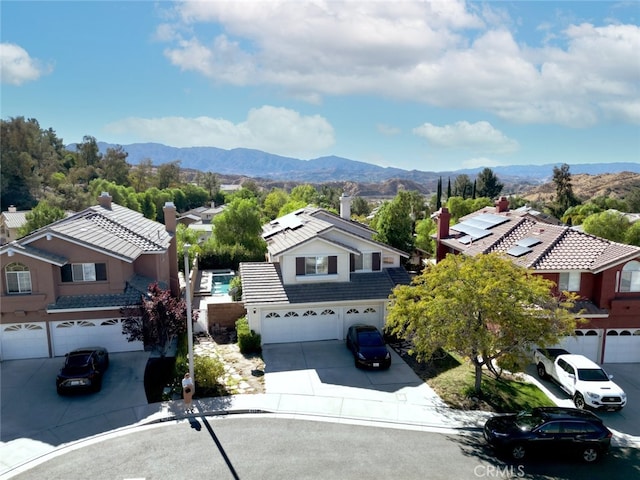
x=622 y=346
x=299 y=326
x=367 y=315
x=586 y=342
x=87 y=333
x=24 y=340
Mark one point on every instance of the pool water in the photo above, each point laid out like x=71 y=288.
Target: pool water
x=220 y=283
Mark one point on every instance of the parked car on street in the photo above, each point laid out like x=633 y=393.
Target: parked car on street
x=587 y=383
x=83 y=370
x=549 y=431
x=368 y=347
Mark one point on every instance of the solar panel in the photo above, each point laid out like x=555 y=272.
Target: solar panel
x=528 y=242
x=474 y=232
x=491 y=219
x=518 y=251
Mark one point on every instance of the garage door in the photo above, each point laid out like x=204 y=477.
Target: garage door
x=622 y=346
x=106 y=333
x=24 y=340
x=299 y=326
x=367 y=315
x=586 y=342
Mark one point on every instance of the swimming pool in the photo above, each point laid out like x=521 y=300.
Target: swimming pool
x=220 y=282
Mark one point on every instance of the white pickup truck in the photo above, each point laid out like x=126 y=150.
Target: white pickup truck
x=586 y=382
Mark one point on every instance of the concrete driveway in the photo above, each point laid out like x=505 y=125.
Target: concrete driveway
x=326 y=369
x=627 y=376
x=31 y=408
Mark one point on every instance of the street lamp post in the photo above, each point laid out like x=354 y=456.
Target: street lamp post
x=189 y=321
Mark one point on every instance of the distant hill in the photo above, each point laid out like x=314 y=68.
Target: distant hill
x=259 y=164
x=616 y=185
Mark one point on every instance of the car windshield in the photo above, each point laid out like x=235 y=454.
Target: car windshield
x=370 y=339
x=77 y=360
x=528 y=421
x=592 y=375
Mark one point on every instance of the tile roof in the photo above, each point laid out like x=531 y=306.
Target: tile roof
x=556 y=247
x=308 y=223
x=262 y=283
x=134 y=290
x=116 y=230
x=34 y=253
x=15 y=219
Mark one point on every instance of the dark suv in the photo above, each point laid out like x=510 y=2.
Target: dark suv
x=83 y=370
x=368 y=347
x=548 y=430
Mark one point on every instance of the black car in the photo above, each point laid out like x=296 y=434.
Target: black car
x=83 y=370
x=368 y=347
x=548 y=430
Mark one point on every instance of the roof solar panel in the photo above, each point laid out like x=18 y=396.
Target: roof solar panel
x=528 y=242
x=474 y=232
x=518 y=251
x=491 y=219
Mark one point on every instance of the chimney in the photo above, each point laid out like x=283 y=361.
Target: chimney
x=170 y=224
x=105 y=200
x=12 y=209
x=345 y=206
x=502 y=205
x=444 y=218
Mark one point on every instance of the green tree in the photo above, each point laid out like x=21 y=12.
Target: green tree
x=424 y=229
x=168 y=175
x=487 y=184
x=273 y=202
x=42 y=214
x=611 y=225
x=482 y=307
x=158 y=321
x=576 y=215
x=240 y=224
x=88 y=152
x=304 y=193
x=360 y=207
x=565 y=197
x=115 y=167
x=393 y=223
x=141 y=175
x=209 y=181
x=459 y=207
x=462 y=186
x=438 y=204
x=632 y=236
x=633 y=200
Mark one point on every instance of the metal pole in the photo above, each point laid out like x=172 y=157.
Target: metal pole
x=189 y=321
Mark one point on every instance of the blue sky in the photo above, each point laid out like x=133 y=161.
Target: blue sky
x=433 y=86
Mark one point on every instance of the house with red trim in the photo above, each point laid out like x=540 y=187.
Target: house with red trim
x=605 y=274
x=63 y=285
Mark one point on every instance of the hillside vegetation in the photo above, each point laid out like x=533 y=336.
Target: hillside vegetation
x=614 y=185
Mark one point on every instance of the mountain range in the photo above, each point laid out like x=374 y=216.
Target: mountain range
x=263 y=165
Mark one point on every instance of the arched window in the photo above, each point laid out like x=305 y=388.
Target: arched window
x=18 y=278
x=630 y=277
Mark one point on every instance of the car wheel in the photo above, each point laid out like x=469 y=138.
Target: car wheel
x=98 y=385
x=590 y=454
x=578 y=401
x=542 y=372
x=518 y=452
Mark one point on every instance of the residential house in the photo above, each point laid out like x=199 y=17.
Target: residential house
x=323 y=273
x=199 y=220
x=605 y=274
x=63 y=285
x=10 y=223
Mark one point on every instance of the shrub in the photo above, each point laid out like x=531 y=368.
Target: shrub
x=248 y=340
x=207 y=372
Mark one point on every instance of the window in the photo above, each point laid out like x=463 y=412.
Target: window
x=84 y=272
x=569 y=282
x=18 y=278
x=630 y=277
x=316 y=266
x=319 y=265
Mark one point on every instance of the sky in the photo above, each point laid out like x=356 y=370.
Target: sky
x=426 y=85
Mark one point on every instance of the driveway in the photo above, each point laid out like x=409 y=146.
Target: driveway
x=31 y=408
x=626 y=376
x=326 y=369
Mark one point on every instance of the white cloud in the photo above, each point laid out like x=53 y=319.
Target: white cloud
x=387 y=130
x=479 y=137
x=276 y=130
x=447 y=54
x=17 y=66
x=480 y=162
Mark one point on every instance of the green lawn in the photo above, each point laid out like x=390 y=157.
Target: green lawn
x=453 y=379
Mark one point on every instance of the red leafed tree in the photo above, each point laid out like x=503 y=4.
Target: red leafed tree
x=157 y=321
